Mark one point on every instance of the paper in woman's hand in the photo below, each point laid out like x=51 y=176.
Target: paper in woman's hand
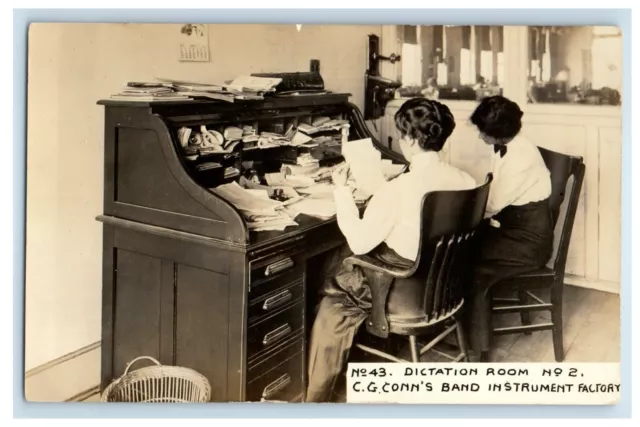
x=365 y=163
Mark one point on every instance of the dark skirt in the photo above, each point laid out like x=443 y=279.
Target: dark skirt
x=345 y=304
x=523 y=243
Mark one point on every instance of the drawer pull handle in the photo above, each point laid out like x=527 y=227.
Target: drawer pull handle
x=277 y=300
x=276 y=386
x=276 y=334
x=278 y=266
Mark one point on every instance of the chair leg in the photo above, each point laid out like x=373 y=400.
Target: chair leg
x=415 y=352
x=462 y=340
x=556 y=319
x=525 y=316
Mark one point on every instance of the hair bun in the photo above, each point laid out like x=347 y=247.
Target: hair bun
x=435 y=130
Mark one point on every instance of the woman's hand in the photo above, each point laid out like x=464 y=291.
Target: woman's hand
x=340 y=175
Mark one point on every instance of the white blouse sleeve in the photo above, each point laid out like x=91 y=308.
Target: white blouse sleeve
x=365 y=234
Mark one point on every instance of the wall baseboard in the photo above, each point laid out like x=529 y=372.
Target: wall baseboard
x=85 y=395
x=596 y=285
x=69 y=378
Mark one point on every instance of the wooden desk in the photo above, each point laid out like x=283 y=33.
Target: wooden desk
x=184 y=280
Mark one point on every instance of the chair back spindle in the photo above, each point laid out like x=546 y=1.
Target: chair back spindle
x=434 y=286
x=443 y=266
x=562 y=168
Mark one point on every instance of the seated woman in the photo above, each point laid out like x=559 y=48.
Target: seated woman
x=389 y=230
x=519 y=238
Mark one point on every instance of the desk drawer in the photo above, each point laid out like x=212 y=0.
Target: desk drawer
x=274 y=357
x=276 y=261
x=274 y=301
x=269 y=285
x=274 y=267
x=274 y=330
x=283 y=383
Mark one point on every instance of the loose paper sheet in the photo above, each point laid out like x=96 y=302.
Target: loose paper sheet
x=365 y=163
x=321 y=208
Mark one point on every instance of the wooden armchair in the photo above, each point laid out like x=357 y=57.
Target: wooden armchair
x=427 y=297
x=562 y=168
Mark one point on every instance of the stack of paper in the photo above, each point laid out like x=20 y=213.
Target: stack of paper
x=249 y=136
x=233 y=133
x=260 y=212
x=306 y=169
x=306 y=159
x=323 y=126
x=146 y=92
x=248 y=130
x=219 y=95
x=251 y=84
x=243 y=88
x=271 y=139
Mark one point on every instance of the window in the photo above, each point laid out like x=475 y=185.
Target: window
x=452 y=62
x=411 y=65
x=411 y=60
x=578 y=65
x=535 y=64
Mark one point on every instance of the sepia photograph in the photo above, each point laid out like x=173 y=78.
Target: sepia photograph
x=241 y=212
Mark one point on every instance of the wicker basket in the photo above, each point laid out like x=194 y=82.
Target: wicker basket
x=158 y=384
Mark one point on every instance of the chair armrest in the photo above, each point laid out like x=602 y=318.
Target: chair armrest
x=370 y=263
x=380 y=276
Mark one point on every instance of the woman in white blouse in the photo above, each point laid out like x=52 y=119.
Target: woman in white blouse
x=389 y=230
x=519 y=237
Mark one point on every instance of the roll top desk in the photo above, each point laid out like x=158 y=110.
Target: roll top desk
x=184 y=279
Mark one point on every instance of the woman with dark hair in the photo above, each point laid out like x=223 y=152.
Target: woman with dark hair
x=389 y=231
x=519 y=236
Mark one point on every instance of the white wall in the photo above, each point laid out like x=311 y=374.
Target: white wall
x=71 y=66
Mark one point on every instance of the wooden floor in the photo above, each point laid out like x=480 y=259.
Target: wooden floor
x=591 y=332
